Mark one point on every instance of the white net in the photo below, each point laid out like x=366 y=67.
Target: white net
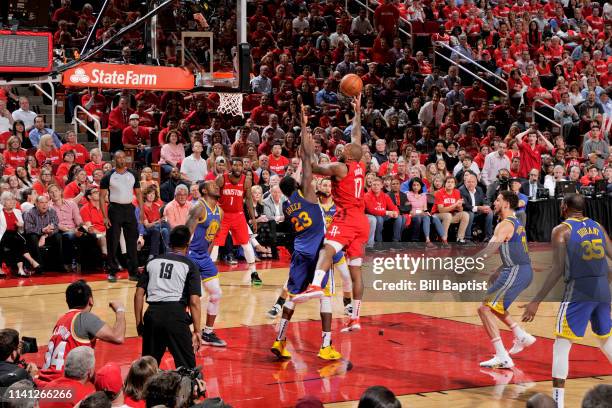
x=230 y=103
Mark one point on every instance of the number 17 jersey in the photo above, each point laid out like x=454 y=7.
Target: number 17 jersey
x=348 y=193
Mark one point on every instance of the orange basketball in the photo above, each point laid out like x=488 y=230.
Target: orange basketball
x=351 y=85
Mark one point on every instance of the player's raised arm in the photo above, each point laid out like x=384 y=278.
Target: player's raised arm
x=356 y=130
x=560 y=236
x=306 y=159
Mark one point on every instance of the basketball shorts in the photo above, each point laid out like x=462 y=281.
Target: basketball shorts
x=510 y=283
x=350 y=229
x=236 y=224
x=573 y=318
x=208 y=269
x=301 y=274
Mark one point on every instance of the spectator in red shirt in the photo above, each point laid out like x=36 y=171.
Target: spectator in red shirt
x=278 y=163
x=96 y=161
x=591 y=177
x=307 y=76
x=95 y=103
x=77 y=187
x=14 y=155
x=475 y=95
x=81 y=155
x=371 y=78
x=448 y=207
x=379 y=209
x=265 y=147
x=119 y=119
x=260 y=113
x=65 y=13
x=386 y=18
x=136 y=137
x=79 y=370
x=198 y=118
x=93 y=220
x=532 y=150
x=47 y=151
x=154 y=228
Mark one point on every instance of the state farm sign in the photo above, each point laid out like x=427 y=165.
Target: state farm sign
x=148 y=77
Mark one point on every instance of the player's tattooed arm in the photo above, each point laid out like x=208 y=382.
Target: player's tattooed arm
x=560 y=236
x=194 y=214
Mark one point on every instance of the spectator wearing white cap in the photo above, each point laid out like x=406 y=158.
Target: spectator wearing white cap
x=137 y=137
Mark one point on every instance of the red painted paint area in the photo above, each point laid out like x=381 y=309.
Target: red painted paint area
x=414 y=354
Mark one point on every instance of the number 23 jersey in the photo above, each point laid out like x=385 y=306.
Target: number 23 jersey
x=307 y=222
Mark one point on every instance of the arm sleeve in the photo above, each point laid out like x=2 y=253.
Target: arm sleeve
x=87 y=325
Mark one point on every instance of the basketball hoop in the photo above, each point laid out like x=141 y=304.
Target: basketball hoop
x=230 y=103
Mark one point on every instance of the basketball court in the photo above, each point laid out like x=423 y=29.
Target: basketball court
x=426 y=352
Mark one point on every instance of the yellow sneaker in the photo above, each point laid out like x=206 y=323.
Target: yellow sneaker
x=329 y=353
x=279 y=349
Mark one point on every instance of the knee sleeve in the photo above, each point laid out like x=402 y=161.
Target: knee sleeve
x=355 y=262
x=606 y=347
x=560 y=364
x=249 y=254
x=214 y=253
x=213 y=288
x=326 y=306
x=347 y=283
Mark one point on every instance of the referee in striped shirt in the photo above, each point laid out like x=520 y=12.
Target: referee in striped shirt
x=170 y=282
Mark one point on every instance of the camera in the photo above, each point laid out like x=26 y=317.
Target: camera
x=504 y=183
x=28 y=345
x=193 y=374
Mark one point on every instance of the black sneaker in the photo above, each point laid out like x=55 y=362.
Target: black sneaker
x=211 y=339
x=275 y=311
x=255 y=279
x=111 y=278
x=231 y=260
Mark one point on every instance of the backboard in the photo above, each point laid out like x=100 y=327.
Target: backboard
x=220 y=54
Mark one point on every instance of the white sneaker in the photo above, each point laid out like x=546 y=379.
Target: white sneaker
x=275 y=311
x=522 y=343
x=348 y=310
x=497 y=362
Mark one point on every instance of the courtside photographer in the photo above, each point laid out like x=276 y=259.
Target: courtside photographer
x=12 y=367
x=175 y=389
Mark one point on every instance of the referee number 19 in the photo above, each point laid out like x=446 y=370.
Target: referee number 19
x=166 y=270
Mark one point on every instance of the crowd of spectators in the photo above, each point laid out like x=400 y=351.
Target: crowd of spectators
x=438 y=143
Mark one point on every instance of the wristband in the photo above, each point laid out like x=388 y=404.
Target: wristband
x=120 y=309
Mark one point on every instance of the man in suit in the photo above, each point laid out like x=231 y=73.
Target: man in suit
x=476 y=205
x=273 y=210
x=530 y=187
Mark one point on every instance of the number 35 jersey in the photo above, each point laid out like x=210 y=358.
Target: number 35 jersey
x=307 y=222
x=586 y=266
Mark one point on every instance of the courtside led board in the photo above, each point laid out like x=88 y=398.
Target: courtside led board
x=25 y=51
x=146 y=77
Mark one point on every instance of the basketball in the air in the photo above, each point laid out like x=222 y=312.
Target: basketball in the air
x=351 y=85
